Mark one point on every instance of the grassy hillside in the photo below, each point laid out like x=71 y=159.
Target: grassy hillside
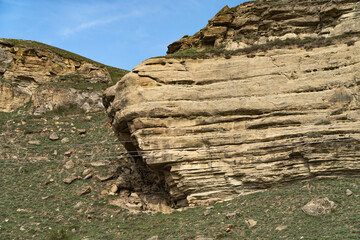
x=36 y=204
x=116 y=73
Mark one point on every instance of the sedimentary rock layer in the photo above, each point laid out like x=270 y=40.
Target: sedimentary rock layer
x=215 y=128
x=41 y=76
x=256 y=22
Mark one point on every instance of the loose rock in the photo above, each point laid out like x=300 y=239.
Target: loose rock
x=86 y=171
x=114 y=189
x=84 y=190
x=65 y=140
x=207 y=212
x=105 y=177
x=81 y=131
x=68 y=153
x=154 y=238
x=47 y=182
x=104 y=192
x=69 y=164
x=319 y=206
x=34 y=142
x=348 y=192
x=100 y=163
x=232 y=215
x=70 y=179
x=251 y=223
x=53 y=136
x=88 y=176
x=280 y=228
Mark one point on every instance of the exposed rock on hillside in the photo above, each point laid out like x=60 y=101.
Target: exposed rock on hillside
x=47 y=79
x=215 y=128
x=259 y=21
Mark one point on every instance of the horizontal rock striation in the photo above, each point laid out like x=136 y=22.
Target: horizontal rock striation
x=257 y=22
x=42 y=77
x=212 y=129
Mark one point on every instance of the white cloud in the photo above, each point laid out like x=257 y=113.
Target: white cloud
x=100 y=21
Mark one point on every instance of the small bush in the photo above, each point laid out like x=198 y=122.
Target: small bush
x=350 y=43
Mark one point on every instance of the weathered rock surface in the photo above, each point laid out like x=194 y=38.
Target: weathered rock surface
x=212 y=129
x=47 y=80
x=257 y=22
x=319 y=206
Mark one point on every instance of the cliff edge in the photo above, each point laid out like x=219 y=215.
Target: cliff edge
x=212 y=127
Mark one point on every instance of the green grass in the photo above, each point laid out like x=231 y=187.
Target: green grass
x=307 y=43
x=115 y=73
x=2 y=80
x=32 y=209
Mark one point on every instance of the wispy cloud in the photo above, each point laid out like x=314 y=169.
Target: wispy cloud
x=100 y=21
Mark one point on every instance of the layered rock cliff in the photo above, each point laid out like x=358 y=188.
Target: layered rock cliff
x=48 y=78
x=211 y=129
x=260 y=21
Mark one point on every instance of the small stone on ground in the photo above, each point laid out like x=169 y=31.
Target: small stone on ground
x=348 y=192
x=154 y=238
x=251 y=223
x=69 y=164
x=280 y=228
x=53 y=136
x=84 y=190
x=70 y=179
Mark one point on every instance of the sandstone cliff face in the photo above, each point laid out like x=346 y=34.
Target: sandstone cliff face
x=212 y=129
x=216 y=128
x=43 y=77
x=260 y=21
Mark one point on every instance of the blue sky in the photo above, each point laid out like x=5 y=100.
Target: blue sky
x=120 y=33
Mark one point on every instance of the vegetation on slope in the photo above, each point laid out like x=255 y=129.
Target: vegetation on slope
x=306 y=43
x=36 y=204
x=115 y=73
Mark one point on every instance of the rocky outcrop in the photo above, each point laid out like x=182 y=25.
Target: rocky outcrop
x=260 y=21
x=212 y=129
x=47 y=79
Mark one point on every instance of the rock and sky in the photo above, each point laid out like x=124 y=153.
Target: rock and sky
x=114 y=32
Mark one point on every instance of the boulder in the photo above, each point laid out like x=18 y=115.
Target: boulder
x=319 y=206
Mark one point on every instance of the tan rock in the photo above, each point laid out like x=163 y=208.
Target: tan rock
x=104 y=178
x=317 y=19
x=69 y=164
x=251 y=223
x=100 y=163
x=81 y=131
x=113 y=189
x=280 y=228
x=27 y=72
x=154 y=238
x=348 y=192
x=34 y=142
x=83 y=191
x=86 y=171
x=68 y=153
x=319 y=206
x=104 y=192
x=216 y=128
x=88 y=176
x=65 y=140
x=54 y=136
x=70 y=179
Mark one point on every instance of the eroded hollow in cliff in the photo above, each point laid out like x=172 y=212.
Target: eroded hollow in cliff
x=148 y=183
